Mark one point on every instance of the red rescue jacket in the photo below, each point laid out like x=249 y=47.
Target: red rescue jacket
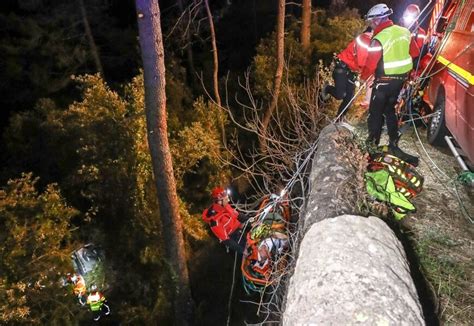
x=222 y=219
x=355 y=53
x=418 y=39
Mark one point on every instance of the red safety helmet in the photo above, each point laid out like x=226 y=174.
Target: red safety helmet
x=218 y=193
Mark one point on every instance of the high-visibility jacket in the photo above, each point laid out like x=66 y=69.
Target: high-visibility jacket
x=223 y=220
x=95 y=300
x=375 y=53
x=355 y=53
x=395 y=41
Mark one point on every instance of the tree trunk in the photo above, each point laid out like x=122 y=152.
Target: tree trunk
x=90 y=39
x=215 y=77
x=151 y=43
x=215 y=74
x=306 y=25
x=280 y=38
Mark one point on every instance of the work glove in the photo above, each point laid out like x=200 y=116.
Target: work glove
x=244 y=218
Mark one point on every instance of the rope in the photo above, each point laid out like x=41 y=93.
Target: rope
x=463 y=208
x=419 y=117
x=350 y=102
x=310 y=151
x=467 y=47
x=455 y=193
x=229 y=304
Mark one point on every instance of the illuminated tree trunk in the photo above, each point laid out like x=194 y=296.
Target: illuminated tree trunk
x=90 y=39
x=151 y=43
x=280 y=40
x=305 y=35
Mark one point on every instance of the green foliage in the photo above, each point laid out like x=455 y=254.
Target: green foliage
x=329 y=35
x=298 y=66
x=332 y=34
x=97 y=150
x=438 y=265
x=35 y=231
x=198 y=141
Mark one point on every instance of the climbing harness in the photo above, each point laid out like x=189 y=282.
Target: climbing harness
x=407 y=180
x=394 y=181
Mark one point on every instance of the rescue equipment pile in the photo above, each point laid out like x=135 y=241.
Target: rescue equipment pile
x=394 y=181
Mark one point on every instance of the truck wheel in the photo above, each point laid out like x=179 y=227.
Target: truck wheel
x=437 y=125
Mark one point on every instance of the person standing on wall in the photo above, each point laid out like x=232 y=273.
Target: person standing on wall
x=390 y=60
x=348 y=63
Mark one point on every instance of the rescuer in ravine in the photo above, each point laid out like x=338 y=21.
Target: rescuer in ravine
x=226 y=222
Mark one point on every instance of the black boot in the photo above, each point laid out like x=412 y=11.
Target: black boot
x=394 y=150
x=324 y=96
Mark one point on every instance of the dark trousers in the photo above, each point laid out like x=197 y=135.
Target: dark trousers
x=382 y=106
x=104 y=310
x=344 y=86
x=237 y=241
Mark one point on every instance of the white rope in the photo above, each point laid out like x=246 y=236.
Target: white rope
x=454 y=192
x=229 y=305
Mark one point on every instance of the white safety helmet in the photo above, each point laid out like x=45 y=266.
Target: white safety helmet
x=378 y=11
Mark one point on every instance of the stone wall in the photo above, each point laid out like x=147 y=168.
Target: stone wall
x=350 y=269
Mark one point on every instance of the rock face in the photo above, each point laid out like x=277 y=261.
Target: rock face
x=350 y=269
x=333 y=176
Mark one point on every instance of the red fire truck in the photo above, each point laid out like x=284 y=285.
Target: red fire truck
x=450 y=90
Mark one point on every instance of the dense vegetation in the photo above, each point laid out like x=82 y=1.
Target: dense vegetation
x=75 y=161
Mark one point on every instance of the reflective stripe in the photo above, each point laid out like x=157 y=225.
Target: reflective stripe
x=367 y=46
x=469 y=77
x=421 y=36
x=94 y=297
x=395 y=41
x=396 y=64
x=375 y=48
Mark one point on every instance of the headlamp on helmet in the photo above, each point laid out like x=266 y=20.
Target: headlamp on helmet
x=219 y=193
x=410 y=15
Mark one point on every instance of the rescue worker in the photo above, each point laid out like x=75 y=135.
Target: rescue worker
x=390 y=59
x=79 y=288
x=348 y=63
x=270 y=248
x=225 y=222
x=97 y=303
x=410 y=21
